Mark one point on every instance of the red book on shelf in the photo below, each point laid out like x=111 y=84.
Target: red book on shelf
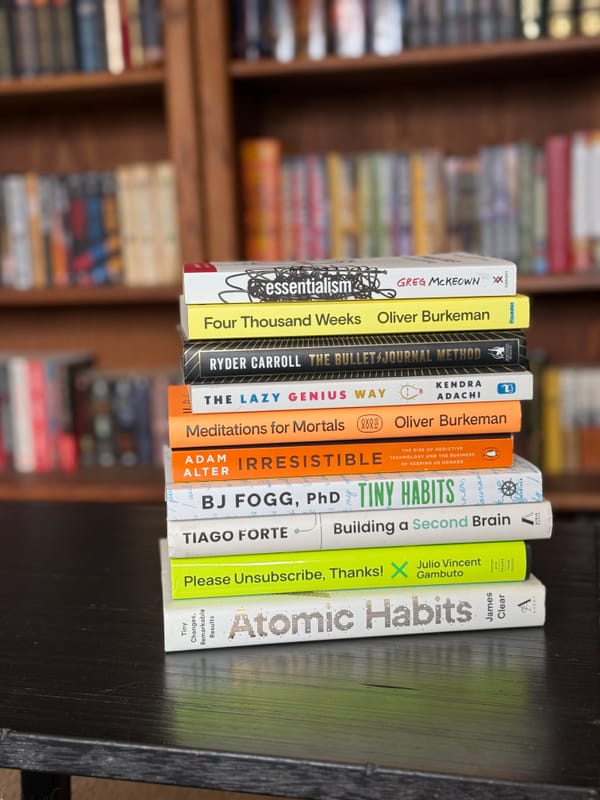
x=558 y=177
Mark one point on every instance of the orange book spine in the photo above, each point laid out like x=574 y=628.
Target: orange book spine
x=340 y=458
x=260 y=164
x=187 y=429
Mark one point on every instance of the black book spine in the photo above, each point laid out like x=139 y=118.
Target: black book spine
x=201 y=360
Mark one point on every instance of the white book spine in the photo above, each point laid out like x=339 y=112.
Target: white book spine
x=521 y=483
x=294 y=532
x=350 y=392
x=17 y=228
x=304 y=617
x=436 y=275
x=20 y=413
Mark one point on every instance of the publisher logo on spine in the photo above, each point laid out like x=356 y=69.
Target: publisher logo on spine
x=369 y=423
x=507 y=387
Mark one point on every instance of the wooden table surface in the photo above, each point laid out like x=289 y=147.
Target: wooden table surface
x=86 y=689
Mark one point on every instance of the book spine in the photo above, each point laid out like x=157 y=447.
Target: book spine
x=540 y=213
x=260 y=164
x=7 y=41
x=17 y=229
x=281 y=619
x=318 y=318
x=526 y=151
x=89 y=22
x=152 y=31
x=360 y=568
x=346 y=279
x=25 y=47
x=114 y=37
x=239 y=428
x=63 y=35
x=246 y=535
x=371 y=391
x=580 y=210
x=43 y=36
x=311 y=28
x=385 y=26
x=561 y=19
x=589 y=18
x=168 y=225
x=348 y=28
x=60 y=233
x=24 y=458
x=532 y=19
x=6 y=434
x=225 y=360
x=299 y=460
x=134 y=29
x=110 y=227
x=39 y=410
x=553 y=459
x=34 y=228
x=521 y=483
x=558 y=178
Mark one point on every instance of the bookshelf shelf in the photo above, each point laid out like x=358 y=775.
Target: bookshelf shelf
x=53 y=87
x=89 y=296
x=567 y=493
x=110 y=485
x=550 y=284
x=512 y=54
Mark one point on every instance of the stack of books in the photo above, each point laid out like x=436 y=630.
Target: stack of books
x=341 y=456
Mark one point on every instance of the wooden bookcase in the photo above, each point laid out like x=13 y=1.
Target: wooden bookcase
x=68 y=123
x=456 y=99
x=196 y=111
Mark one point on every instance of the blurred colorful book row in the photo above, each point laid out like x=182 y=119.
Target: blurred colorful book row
x=536 y=204
x=89 y=228
x=59 y=412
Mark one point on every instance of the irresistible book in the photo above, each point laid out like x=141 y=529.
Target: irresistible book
x=521 y=483
x=366 y=389
x=337 y=458
x=328 y=318
x=361 y=568
x=350 y=529
x=435 y=275
x=328 y=355
x=187 y=429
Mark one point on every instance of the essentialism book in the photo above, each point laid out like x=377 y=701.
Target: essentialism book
x=206 y=623
x=435 y=275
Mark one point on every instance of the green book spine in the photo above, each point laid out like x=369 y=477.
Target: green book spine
x=363 y=568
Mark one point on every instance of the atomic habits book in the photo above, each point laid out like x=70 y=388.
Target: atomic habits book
x=207 y=623
x=435 y=275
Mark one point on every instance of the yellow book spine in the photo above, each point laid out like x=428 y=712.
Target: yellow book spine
x=334 y=176
x=553 y=458
x=324 y=318
x=363 y=568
